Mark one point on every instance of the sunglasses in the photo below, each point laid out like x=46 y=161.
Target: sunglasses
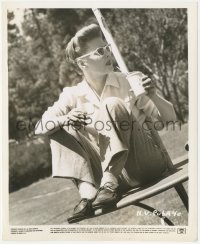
x=99 y=51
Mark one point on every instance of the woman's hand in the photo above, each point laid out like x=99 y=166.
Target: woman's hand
x=149 y=86
x=76 y=118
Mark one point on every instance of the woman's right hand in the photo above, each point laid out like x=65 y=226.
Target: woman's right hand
x=76 y=117
x=49 y=125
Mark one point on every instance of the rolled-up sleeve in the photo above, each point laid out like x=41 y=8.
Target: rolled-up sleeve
x=151 y=110
x=148 y=107
x=63 y=105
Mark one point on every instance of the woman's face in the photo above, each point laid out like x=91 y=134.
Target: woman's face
x=100 y=64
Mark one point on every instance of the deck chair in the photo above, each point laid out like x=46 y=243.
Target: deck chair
x=176 y=174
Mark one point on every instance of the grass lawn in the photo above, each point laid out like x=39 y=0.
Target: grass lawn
x=50 y=201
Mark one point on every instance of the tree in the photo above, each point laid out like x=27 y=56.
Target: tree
x=37 y=67
x=155 y=42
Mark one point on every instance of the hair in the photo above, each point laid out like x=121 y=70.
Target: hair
x=78 y=43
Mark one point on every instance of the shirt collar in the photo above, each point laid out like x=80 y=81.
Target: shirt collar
x=111 y=80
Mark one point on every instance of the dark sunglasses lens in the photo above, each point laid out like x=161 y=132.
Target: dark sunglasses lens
x=100 y=50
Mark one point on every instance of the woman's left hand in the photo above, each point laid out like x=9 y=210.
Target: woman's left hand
x=149 y=86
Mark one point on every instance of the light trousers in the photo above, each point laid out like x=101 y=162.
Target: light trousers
x=125 y=148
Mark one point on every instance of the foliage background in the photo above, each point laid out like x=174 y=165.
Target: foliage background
x=153 y=41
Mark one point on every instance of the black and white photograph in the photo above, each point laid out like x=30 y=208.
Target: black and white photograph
x=99 y=119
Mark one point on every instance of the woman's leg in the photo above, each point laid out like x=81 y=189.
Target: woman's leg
x=127 y=151
x=74 y=156
x=146 y=160
x=114 y=135
x=114 y=143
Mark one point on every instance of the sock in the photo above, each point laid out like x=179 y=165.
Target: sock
x=109 y=179
x=86 y=190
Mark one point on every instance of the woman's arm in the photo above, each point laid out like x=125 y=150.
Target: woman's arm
x=50 y=124
x=165 y=108
x=166 y=112
x=55 y=116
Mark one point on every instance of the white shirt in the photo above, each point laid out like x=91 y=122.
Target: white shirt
x=82 y=96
